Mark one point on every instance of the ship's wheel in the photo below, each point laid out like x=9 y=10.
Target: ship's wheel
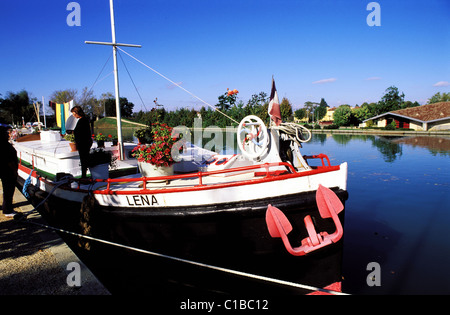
x=252 y=137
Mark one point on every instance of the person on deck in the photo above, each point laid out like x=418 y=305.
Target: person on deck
x=83 y=139
x=8 y=170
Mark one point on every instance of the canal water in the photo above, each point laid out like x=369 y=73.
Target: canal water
x=397 y=214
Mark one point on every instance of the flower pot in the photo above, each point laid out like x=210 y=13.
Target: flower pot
x=73 y=147
x=100 y=143
x=150 y=170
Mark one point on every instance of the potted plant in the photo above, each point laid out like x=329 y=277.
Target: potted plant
x=71 y=139
x=100 y=138
x=113 y=139
x=155 y=159
x=100 y=161
x=142 y=134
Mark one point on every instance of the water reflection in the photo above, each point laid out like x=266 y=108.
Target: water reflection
x=343 y=139
x=397 y=212
x=436 y=145
x=391 y=147
x=390 y=150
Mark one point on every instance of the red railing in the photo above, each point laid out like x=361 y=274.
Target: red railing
x=266 y=175
x=199 y=175
x=318 y=156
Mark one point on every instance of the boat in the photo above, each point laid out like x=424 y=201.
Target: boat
x=214 y=210
x=215 y=214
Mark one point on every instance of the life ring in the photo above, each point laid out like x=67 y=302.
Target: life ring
x=252 y=137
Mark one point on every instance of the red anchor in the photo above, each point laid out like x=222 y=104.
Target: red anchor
x=329 y=207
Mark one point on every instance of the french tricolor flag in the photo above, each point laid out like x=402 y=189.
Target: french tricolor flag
x=274 y=105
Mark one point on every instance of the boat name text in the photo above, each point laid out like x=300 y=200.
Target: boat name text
x=142 y=200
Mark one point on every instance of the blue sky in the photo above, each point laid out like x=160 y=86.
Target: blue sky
x=313 y=48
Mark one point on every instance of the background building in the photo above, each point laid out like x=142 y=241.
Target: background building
x=426 y=117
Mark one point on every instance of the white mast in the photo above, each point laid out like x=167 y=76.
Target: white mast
x=43 y=109
x=116 y=76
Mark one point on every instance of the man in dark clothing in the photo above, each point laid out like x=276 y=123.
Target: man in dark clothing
x=83 y=139
x=8 y=171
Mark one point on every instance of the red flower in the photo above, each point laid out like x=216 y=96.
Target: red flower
x=159 y=151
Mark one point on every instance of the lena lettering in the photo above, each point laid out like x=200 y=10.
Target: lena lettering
x=142 y=200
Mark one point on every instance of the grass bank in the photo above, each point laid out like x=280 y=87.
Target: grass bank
x=108 y=126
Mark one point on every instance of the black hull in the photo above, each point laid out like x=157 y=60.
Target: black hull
x=234 y=237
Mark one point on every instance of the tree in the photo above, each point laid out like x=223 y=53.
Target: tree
x=408 y=104
x=323 y=103
x=63 y=96
x=310 y=107
x=100 y=109
x=263 y=112
x=436 y=98
x=227 y=100
x=17 y=105
x=372 y=110
x=300 y=113
x=126 y=108
x=390 y=101
x=255 y=103
x=342 y=115
x=237 y=111
x=89 y=103
x=286 y=109
x=362 y=113
x=321 y=111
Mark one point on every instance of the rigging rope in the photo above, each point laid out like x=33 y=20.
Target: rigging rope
x=132 y=81
x=95 y=82
x=294 y=131
x=26 y=184
x=177 y=85
x=64 y=180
